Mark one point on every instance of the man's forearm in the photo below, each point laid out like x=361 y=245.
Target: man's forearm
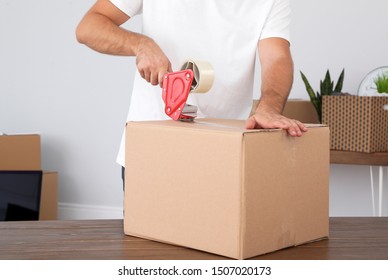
x=276 y=74
x=101 y=34
x=100 y=30
x=277 y=78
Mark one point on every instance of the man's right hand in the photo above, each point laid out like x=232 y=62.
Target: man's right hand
x=151 y=62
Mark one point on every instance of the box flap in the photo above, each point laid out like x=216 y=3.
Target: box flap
x=221 y=125
x=224 y=126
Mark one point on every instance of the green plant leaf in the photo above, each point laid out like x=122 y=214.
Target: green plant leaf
x=340 y=82
x=309 y=90
x=326 y=87
x=327 y=84
x=319 y=110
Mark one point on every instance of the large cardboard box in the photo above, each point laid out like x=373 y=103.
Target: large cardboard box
x=357 y=123
x=20 y=152
x=298 y=109
x=212 y=185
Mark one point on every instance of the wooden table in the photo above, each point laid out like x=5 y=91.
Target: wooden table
x=350 y=238
x=343 y=157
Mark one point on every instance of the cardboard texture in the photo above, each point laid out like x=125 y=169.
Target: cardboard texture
x=211 y=185
x=357 y=123
x=49 y=196
x=298 y=109
x=20 y=152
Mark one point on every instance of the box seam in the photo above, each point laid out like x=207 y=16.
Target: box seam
x=137 y=124
x=242 y=199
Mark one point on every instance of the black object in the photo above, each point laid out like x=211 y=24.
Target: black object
x=20 y=195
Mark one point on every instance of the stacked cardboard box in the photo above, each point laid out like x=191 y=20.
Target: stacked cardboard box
x=22 y=152
x=298 y=109
x=212 y=185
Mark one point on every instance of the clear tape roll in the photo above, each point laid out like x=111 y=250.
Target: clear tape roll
x=203 y=75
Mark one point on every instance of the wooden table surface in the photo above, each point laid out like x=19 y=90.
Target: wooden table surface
x=343 y=157
x=350 y=238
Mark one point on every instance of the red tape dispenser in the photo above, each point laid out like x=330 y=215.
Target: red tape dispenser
x=195 y=76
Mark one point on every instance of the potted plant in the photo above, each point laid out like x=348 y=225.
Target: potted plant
x=326 y=88
x=381 y=82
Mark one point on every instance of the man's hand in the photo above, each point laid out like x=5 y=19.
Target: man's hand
x=151 y=62
x=277 y=76
x=266 y=118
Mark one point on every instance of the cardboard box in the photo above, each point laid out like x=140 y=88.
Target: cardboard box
x=49 y=196
x=298 y=109
x=20 y=152
x=357 y=123
x=211 y=185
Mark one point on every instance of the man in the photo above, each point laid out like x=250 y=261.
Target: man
x=227 y=34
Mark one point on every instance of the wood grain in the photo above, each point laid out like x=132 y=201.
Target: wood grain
x=350 y=238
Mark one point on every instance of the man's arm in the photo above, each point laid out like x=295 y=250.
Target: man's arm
x=276 y=81
x=100 y=30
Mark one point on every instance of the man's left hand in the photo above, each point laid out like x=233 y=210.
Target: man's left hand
x=271 y=119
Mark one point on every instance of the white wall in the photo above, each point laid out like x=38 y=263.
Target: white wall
x=332 y=34
x=77 y=99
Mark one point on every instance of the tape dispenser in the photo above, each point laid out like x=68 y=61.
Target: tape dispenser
x=195 y=76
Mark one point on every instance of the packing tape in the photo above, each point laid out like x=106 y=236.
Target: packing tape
x=203 y=75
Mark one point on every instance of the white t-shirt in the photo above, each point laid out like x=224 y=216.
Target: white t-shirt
x=223 y=32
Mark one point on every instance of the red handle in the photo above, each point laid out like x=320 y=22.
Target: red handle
x=176 y=89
